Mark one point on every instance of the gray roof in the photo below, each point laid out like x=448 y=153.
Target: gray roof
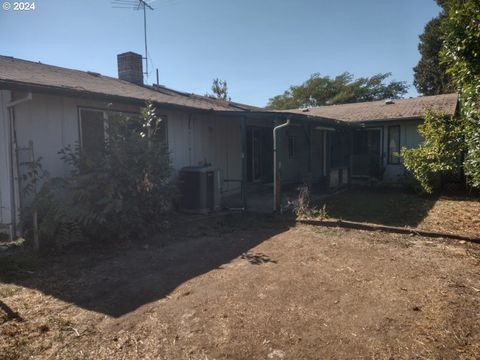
x=29 y=75
x=413 y=108
x=34 y=75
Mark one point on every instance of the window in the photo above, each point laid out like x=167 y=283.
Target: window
x=161 y=132
x=394 y=145
x=339 y=149
x=95 y=126
x=292 y=151
x=92 y=132
x=132 y=122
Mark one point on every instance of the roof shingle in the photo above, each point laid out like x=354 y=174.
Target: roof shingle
x=413 y=108
x=29 y=73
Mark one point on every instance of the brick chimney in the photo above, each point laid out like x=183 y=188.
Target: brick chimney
x=130 y=67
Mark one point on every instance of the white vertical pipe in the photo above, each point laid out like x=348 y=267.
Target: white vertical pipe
x=275 y=170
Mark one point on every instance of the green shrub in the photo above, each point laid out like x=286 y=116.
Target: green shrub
x=439 y=153
x=460 y=53
x=122 y=194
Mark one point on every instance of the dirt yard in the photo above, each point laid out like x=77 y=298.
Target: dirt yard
x=399 y=208
x=242 y=287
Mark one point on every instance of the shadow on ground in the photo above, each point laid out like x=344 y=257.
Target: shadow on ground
x=115 y=282
x=380 y=206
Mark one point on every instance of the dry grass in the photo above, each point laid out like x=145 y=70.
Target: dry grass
x=251 y=290
x=399 y=208
x=454 y=216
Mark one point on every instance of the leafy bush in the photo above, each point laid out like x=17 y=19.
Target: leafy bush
x=123 y=193
x=439 y=153
x=460 y=53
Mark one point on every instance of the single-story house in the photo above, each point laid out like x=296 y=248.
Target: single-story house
x=44 y=108
x=383 y=129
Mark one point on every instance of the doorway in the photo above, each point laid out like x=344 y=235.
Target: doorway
x=259 y=154
x=367 y=153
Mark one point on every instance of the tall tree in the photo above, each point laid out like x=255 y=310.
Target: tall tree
x=454 y=144
x=461 y=55
x=323 y=90
x=430 y=76
x=220 y=89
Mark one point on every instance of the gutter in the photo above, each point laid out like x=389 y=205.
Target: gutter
x=12 y=144
x=276 y=177
x=324 y=128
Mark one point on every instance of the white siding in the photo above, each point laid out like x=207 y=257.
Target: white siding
x=196 y=139
x=51 y=122
x=293 y=170
x=409 y=138
x=5 y=209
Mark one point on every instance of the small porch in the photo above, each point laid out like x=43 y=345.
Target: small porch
x=367 y=155
x=281 y=152
x=260 y=198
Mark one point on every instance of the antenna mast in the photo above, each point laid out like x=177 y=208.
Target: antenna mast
x=137 y=5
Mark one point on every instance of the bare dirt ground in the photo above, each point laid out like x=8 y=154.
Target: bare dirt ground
x=248 y=288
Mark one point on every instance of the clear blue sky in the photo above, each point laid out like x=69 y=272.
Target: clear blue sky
x=260 y=47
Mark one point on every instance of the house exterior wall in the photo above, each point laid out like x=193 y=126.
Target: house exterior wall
x=318 y=159
x=293 y=169
x=51 y=122
x=5 y=185
x=409 y=138
x=197 y=139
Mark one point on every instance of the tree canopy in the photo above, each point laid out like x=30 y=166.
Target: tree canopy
x=324 y=90
x=461 y=55
x=430 y=76
x=220 y=89
x=453 y=144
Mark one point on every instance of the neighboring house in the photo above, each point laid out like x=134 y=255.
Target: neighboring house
x=384 y=128
x=44 y=108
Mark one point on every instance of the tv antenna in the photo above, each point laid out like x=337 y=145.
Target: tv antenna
x=137 y=5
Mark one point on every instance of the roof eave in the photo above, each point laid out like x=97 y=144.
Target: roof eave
x=55 y=90
x=397 y=119
x=277 y=115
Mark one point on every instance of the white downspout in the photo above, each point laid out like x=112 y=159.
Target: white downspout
x=12 y=147
x=11 y=104
x=276 y=194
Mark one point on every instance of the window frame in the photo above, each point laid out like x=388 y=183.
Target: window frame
x=106 y=120
x=80 y=123
x=389 y=152
x=164 y=118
